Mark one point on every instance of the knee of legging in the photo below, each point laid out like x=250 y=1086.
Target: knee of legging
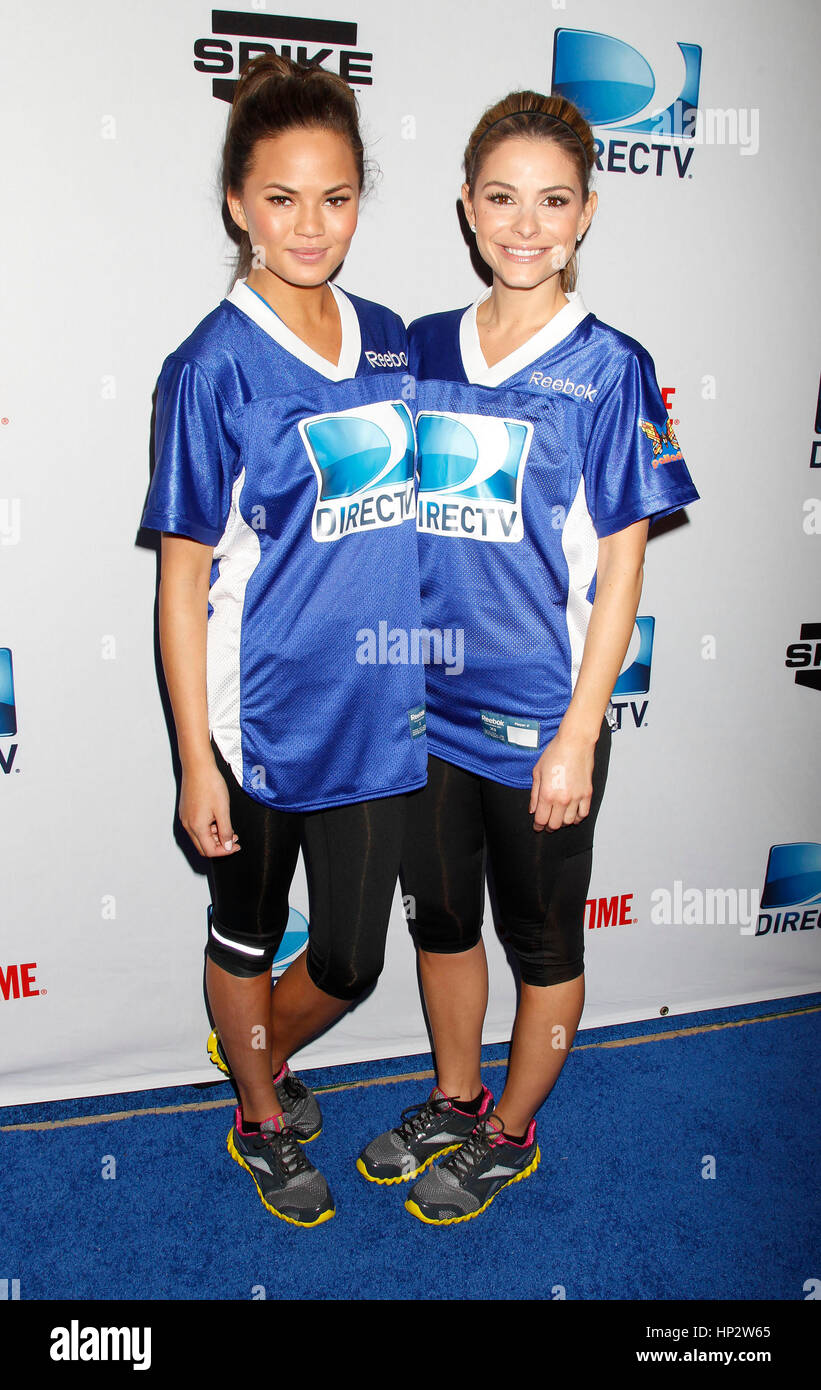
x=245 y=955
x=443 y=932
x=543 y=973
x=546 y=962
x=343 y=977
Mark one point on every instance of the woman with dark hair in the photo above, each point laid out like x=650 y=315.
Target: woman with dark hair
x=284 y=490
x=543 y=451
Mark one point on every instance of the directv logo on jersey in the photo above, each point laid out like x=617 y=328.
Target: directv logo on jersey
x=793 y=879
x=363 y=460
x=470 y=475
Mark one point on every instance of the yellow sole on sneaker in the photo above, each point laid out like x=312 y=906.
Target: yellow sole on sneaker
x=452 y=1220
x=405 y=1177
x=214 y=1053
x=292 y=1221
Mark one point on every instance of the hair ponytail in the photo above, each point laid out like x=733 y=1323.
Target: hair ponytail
x=273 y=95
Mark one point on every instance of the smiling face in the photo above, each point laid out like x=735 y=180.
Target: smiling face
x=299 y=205
x=528 y=209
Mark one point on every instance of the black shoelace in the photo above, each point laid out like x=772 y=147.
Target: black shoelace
x=416 y=1118
x=470 y=1154
x=293 y=1087
x=285 y=1150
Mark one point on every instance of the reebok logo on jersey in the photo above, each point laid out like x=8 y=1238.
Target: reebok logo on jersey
x=564 y=385
x=363 y=460
x=386 y=359
x=470 y=475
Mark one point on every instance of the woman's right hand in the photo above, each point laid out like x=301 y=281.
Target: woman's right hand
x=205 y=811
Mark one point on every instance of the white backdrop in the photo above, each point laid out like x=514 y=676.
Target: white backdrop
x=113 y=250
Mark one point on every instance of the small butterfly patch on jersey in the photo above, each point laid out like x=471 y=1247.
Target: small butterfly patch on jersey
x=665 y=446
x=363 y=461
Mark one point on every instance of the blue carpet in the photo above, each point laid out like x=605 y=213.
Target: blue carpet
x=617 y=1210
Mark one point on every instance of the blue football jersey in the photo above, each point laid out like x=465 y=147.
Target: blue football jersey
x=521 y=468
x=300 y=475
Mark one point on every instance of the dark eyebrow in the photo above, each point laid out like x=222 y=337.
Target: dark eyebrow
x=337 y=188
x=554 y=188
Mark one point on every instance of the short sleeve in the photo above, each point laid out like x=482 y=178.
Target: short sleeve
x=634 y=466
x=196 y=455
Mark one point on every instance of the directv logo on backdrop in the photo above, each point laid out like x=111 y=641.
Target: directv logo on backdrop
x=615 y=87
x=470 y=475
x=293 y=942
x=635 y=677
x=8 y=711
x=793 y=879
x=363 y=460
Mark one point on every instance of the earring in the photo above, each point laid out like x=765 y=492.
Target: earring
x=473 y=226
x=579 y=237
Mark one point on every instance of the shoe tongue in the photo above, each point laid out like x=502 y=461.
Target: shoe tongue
x=436 y=1095
x=275 y=1124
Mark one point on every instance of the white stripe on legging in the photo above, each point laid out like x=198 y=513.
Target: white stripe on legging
x=235 y=946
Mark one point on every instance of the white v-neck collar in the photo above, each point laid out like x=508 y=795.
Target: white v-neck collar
x=246 y=299
x=476 y=369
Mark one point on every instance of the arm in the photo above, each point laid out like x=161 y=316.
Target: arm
x=562 y=778
x=183 y=610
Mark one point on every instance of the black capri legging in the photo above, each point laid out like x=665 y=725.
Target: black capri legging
x=461 y=822
x=351 y=859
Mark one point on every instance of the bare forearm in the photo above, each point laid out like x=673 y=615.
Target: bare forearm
x=183 y=612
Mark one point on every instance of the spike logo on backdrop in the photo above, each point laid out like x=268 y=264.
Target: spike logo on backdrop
x=237 y=36
x=804 y=657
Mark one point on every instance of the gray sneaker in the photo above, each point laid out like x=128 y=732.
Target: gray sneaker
x=299 y=1105
x=288 y=1183
x=465 y=1184
x=297 y=1101
x=427 y=1131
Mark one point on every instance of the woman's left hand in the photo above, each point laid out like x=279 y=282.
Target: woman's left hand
x=562 y=784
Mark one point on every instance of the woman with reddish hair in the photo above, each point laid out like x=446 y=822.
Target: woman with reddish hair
x=544 y=450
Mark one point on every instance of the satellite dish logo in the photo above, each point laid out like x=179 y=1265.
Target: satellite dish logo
x=614 y=86
x=293 y=943
x=635 y=674
x=793 y=880
x=363 y=460
x=470 y=475
x=8 y=710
